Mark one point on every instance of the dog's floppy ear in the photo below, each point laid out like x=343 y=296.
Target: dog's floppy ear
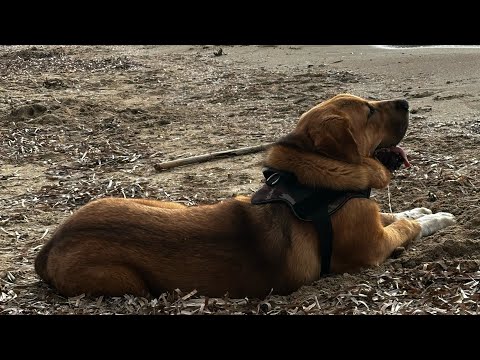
x=298 y=140
x=333 y=137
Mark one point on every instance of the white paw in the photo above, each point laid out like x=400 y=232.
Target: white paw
x=433 y=222
x=413 y=214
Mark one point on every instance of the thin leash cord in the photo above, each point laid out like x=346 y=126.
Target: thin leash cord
x=389 y=199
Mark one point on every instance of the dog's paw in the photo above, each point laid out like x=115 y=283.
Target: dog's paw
x=413 y=214
x=431 y=223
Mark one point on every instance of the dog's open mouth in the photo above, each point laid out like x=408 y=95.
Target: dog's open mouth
x=392 y=157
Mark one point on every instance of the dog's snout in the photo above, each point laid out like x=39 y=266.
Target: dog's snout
x=402 y=104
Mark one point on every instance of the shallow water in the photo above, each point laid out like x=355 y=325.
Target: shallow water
x=395 y=47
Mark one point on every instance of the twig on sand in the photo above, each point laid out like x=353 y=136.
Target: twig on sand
x=389 y=200
x=212 y=156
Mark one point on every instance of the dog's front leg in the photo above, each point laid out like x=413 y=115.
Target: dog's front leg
x=411 y=225
x=430 y=223
x=416 y=213
x=433 y=222
x=396 y=236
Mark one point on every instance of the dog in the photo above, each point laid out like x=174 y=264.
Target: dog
x=117 y=246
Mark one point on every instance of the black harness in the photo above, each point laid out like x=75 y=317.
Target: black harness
x=308 y=204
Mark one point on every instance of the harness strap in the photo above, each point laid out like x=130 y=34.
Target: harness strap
x=323 y=226
x=307 y=204
x=316 y=207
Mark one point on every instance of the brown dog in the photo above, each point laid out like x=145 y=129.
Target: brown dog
x=117 y=246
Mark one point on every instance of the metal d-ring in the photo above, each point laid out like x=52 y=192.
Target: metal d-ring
x=273 y=179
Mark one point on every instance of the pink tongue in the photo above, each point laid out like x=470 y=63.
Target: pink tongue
x=398 y=150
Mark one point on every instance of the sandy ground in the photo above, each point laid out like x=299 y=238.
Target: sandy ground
x=79 y=123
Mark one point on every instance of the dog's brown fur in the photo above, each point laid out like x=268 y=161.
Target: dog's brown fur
x=118 y=246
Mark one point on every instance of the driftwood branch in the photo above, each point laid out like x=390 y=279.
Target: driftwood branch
x=212 y=156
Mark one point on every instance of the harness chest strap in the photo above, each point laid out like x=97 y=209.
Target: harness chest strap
x=308 y=204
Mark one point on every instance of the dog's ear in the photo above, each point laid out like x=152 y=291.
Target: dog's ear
x=333 y=137
x=298 y=140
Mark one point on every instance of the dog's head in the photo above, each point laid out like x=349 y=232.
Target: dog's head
x=347 y=128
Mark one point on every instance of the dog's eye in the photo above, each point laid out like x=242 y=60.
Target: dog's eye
x=371 y=110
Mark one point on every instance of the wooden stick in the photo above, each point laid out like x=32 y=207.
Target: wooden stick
x=211 y=156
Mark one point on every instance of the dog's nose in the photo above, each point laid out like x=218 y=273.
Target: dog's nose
x=402 y=104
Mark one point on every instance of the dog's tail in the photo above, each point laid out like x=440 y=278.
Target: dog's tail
x=41 y=262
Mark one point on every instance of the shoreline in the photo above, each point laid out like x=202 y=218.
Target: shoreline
x=399 y=47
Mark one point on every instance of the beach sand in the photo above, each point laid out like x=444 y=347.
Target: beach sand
x=83 y=122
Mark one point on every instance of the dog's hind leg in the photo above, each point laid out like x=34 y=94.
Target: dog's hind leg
x=109 y=280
